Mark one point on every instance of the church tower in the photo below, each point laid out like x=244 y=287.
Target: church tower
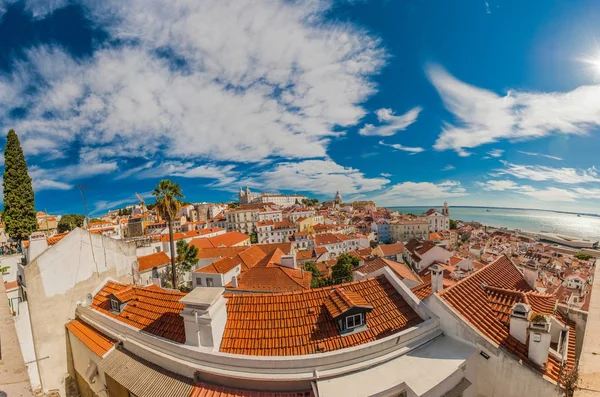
x=445 y=209
x=338 y=198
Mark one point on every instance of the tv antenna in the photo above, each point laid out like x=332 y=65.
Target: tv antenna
x=82 y=189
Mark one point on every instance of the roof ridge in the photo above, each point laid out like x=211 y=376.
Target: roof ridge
x=291 y=278
x=476 y=272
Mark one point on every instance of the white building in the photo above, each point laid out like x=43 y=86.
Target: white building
x=406 y=229
x=381 y=342
x=274 y=232
x=242 y=220
x=438 y=221
x=283 y=200
x=420 y=255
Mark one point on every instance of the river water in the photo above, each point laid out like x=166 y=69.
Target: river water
x=586 y=226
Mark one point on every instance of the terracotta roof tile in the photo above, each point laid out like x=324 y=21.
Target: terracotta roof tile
x=221 y=266
x=229 y=239
x=208 y=390
x=95 y=340
x=220 y=252
x=157 y=259
x=56 y=238
x=484 y=299
x=401 y=269
x=286 y=248
x=339 y=301
x=10 y=285
x=298 y=323
x=151 y=309
x=273 y=278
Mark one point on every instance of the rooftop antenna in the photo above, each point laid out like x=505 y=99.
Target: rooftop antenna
x=85 y=225
x=87 y=213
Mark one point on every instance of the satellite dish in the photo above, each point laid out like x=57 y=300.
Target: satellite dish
x=135 y=272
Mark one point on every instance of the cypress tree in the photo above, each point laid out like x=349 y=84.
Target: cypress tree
x=19 y=211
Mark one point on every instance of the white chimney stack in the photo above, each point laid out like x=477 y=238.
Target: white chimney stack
x=530 y=275
x=437 y=278
x=539 y=338
x=234 y=282
x=519 y=322
x=289 y=261
x=204 y=317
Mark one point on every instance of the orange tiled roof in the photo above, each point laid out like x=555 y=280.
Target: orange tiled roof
x=267 y=248
x=423 y=249
x=202 y=243
x=219 y=252
x=229 y=239
x=303 y=255
x=401 y=269
x=484 y=300
x=339 y=301
x=273 y=278
x=10 y=285
x=293 y=323
x=391 y=249
x=207 y=390
x=95 y=340
x=220 y=266
x=151 y=309
x=157 y=259
x=56 y=238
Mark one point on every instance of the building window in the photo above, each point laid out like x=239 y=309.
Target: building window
x=115 y=306
x=199 y=281
x=354 y=321
x=209 y=282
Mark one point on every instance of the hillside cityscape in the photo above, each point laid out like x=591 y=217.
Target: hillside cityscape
x=299 y=198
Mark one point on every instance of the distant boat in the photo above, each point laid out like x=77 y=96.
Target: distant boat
x=578 y=215
x=488 y=211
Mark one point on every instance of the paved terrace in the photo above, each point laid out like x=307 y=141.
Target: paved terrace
x=14 y=379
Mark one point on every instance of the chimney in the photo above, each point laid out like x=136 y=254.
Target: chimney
x=204 y=317
x=519 y=321
x=289 y=261
x=437 y=278
x=234 y=282
x=530 y=275
x=539 y=338
x=37 y=245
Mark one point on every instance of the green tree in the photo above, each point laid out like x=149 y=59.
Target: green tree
x=187 y=257
x=253 y=238
x=168 y=195
x=69 y=222
x=149 y=207
x=312 y=267
x=19 y=201
x=343 y=270
x=452 y=224
x=582 y=256
x=95 y=220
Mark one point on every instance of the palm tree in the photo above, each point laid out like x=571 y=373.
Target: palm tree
x=167 y=195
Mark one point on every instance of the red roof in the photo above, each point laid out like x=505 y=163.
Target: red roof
x=208 y=390
x=340 y=301
x=391 y=249
x=294 y=323
x=10 y=285
x=402 y=270
x=95 y=340
x=157 y=259
x=56 y=238
x=326 y=238
x=220 y=266
x=229 y=239
x=484 y=299
x=151 y=309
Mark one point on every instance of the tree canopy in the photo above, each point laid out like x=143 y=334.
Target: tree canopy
x=582 y=256
x=343 y=270
x=19 y=201
x=168 y=195
x=69 y=222
x=452 y=224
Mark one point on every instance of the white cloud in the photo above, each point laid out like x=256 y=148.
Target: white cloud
x=38 y=8
x=495 y=153
x=543 y=173
x=259 y=81
x=224 y=175
x=392 y=124
x=540 y=155
x=385 y=174
x=448 y=167
x=498 y=185
x=397 y=146
x=318 y=176
x=485 y=117
x=550 y=194
x=417 y=192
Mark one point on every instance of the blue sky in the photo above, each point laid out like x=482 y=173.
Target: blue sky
x=409 y=102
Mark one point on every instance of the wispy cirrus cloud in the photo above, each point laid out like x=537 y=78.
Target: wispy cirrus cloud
x=448 y=167
x=390 y=123
x=548 y=193
x=397 y=146
x=482 y=116
x=543 y=173
x=540 y=155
